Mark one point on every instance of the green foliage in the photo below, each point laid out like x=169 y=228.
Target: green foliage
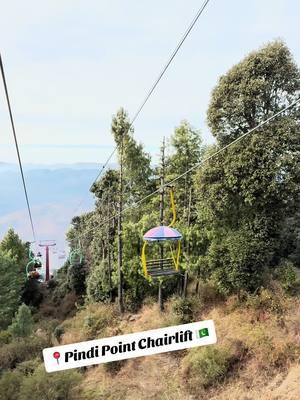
x=5 y=337
x=136 y=162
x=77 y=276
x=10 y=384
x=186 y=148
x=289 y=242
x=207 y=366
x=183 y=309
x=286 y=273
x=250 y=189
x=186 y=152
x=238 y=213
x=208 y=294
x=246 y=259
x=136 y=286
x=91 y=322
x=267 y=300
x=30 y=381
x=10 y=289
x=56 y=386
x=13 y=259
x=252 y=90
x=28 y=367
x=98 y=283
x=21 y=350
x=100 y=246
x=62 y=287
x=32 y=294
x=12 y=244
x=58 y=332
x=94 y=324
x=114 y=367
x=22 y=323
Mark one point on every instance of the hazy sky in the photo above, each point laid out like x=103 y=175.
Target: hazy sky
x=71 y=64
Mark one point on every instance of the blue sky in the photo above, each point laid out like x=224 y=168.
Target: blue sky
x=71 y=64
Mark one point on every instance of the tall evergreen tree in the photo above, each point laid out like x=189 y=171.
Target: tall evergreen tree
x=248 y=190
x=185 y=153
x=265 y=82
x=12 y=244
x=13 y=260
x=22 y=323
x=136 y=161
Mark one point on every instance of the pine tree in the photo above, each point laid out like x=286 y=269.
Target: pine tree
x=248 y=191
x=22 y=323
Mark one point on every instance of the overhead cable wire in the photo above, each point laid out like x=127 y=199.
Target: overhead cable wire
x=17 y=147
x=156 y=82
x=104 y=166
x=150 y=92
x=216 y=153
x=185 y=35
x=78 y=206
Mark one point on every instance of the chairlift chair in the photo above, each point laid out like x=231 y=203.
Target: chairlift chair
x=76 y=256
x=33 y=266
x=169 y=238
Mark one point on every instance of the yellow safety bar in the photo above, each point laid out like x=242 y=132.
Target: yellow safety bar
x=178 y=255
x=173 y=208
x=144 y=262
x=175 y=258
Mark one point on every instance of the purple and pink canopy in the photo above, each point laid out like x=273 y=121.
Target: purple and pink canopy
x=162 y=233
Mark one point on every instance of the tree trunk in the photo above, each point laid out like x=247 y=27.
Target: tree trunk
x=108 y=250
x=109 y=277
x=120 y=242
x=161 y=209
x=160 y=296
x=185 y=282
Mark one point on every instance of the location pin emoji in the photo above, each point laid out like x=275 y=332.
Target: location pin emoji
x=56 y=355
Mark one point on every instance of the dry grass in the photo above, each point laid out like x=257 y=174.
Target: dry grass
x=103 y=320
x=93 y=321
x=266 y=369
x=153 y=377
x=283 y=386
x=273 y=349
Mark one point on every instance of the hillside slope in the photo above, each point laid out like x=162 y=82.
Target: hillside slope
x=255 y=358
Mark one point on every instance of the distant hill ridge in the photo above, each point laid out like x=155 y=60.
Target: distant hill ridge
x=54 y=191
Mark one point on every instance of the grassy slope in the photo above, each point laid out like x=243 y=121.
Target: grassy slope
x=260 y=339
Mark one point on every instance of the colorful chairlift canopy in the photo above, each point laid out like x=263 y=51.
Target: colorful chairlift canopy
x=162 y=233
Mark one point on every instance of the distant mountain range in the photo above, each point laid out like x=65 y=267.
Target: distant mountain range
x=55 y=192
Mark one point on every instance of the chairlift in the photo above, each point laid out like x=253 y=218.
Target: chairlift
x=76 y=256
x=33 y=266
x=168 y=237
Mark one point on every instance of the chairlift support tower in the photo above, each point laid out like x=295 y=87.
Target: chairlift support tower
x=47 y=244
